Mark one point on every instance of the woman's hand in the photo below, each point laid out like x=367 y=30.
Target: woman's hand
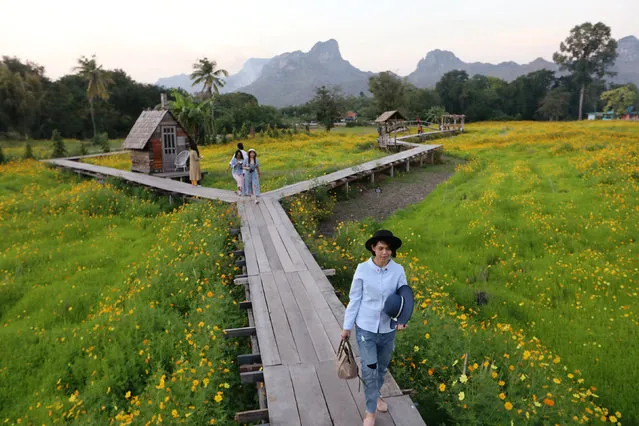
x=345 y=334
x=401 y=326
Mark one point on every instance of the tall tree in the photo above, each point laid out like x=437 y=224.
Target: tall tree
x=451 y=91
x=195 y=115
x=587 y=53
x=209 y=75
x=555 y=104
x=97 y=83
x=387 y=90
x=621 y=99
x=328 y=105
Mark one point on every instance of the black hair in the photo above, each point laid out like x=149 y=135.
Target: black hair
x=238 y=152
x=240 y=146
x=388 y=243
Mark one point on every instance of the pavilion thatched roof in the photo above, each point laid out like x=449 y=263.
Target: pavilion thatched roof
x=390 y=115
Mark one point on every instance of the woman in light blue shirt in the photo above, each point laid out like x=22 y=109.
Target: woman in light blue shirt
x=374 y=281
x=236 y=169
x=252 y=175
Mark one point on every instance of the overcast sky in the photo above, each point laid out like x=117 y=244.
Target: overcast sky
x=153 y=39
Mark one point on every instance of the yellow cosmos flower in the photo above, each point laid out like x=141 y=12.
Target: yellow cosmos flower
x=463 y=378
x=461 y=396
x=502 y=396
x=508 y=406
x=442 y=387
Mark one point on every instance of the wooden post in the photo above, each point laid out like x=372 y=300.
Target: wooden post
x=347 y=188
x=372 y=178
x=392 y=167
x=421 y=160
x=408 y=164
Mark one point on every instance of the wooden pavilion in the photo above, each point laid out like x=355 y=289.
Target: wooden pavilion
x=454 y=122
x=155 y=141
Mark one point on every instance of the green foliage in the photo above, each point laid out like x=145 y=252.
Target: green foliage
x=28 y=152
x=195 y=115
x=83 y=149
x=451 y=91
x=59 y=149
x=387 y=90
x=555 y=105
x=116 y=315
x=620 y=99
x=434 y=114
x=587 y=53
x=97 y=83
x=244 y=131
x=328 y=106
x=209 y=76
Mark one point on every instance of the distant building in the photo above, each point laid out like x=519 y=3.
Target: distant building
x=610 y=115
x=350 y=116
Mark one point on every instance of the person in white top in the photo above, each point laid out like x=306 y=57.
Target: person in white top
x=374 y=281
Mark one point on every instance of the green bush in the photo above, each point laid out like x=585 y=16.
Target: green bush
x=28 y=152
x=59 y=149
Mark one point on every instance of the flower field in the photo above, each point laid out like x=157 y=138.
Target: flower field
x=283 y=161
x=113 y=305
x=524 y=265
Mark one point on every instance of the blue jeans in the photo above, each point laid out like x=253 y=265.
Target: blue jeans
x=375 y=351
x=251 y=183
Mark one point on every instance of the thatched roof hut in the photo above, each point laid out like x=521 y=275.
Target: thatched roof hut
x=390 y=116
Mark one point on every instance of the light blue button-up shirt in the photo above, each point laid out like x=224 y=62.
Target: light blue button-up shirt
x=371 y=287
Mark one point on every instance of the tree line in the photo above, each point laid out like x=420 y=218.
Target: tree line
x=93 y=100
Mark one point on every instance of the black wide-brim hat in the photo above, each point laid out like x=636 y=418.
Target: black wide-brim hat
x=399 y=306
x=386 y=236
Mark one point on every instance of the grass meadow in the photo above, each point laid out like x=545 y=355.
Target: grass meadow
x=282 y=161
x=525 y=268
x=524 y=265
x=113 y=305
x=14 y=150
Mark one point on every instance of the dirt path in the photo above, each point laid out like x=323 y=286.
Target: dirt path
x=388 y=194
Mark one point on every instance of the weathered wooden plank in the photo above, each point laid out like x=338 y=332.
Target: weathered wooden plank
x=403 y=411
x=270 y=205
x=274 y=261
x=341 y=405
x=249 y=251
x=239 y=332
x=321 y=341
x=283 y=336
x=251 y=416
x=309 y=396
x=282 y=406
x=258 y=244
x=252 y=376
x=331 y=325
x=299 y=330
x=290 y=246
x=280 y=250
x=244 y=359
x=264 y=328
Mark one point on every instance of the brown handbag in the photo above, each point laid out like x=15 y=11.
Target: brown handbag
x=345 y=362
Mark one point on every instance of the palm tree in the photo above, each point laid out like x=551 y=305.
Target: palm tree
x=98 y=81
x=206 y=73
x=194 y=115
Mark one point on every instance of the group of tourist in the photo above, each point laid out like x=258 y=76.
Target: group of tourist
x=246 y=171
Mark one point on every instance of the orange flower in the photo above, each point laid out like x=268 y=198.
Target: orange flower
x=508 y=406
x=549 y=402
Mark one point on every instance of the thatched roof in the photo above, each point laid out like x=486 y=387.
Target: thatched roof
x=390 y=115
x=143 y=129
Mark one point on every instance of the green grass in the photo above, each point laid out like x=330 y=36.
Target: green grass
x=544 y=220
x=14 y=150
x=112 y=305
x=282 y=161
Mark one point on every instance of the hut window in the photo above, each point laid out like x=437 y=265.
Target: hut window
x=168 y=139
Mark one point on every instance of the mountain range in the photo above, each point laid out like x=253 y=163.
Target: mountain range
x=291 y=78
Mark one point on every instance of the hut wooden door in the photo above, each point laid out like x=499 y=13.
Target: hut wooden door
x=169 y=150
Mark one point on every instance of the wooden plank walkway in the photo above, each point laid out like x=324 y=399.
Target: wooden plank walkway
x=298 y=318
x=298 y=321
x=166 y=185
x=416 y=151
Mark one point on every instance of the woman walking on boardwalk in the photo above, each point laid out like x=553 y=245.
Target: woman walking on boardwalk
x=251 y=169
x=237 y=171
x=380 y=302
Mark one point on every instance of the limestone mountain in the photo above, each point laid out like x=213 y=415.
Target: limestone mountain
x=627 y=63
x=291 y=78
x=248 y=74
x=438 y=62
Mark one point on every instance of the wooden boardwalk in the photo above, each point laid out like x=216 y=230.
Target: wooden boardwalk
x=298 y=321
x=164 y=185
x=296 y=315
